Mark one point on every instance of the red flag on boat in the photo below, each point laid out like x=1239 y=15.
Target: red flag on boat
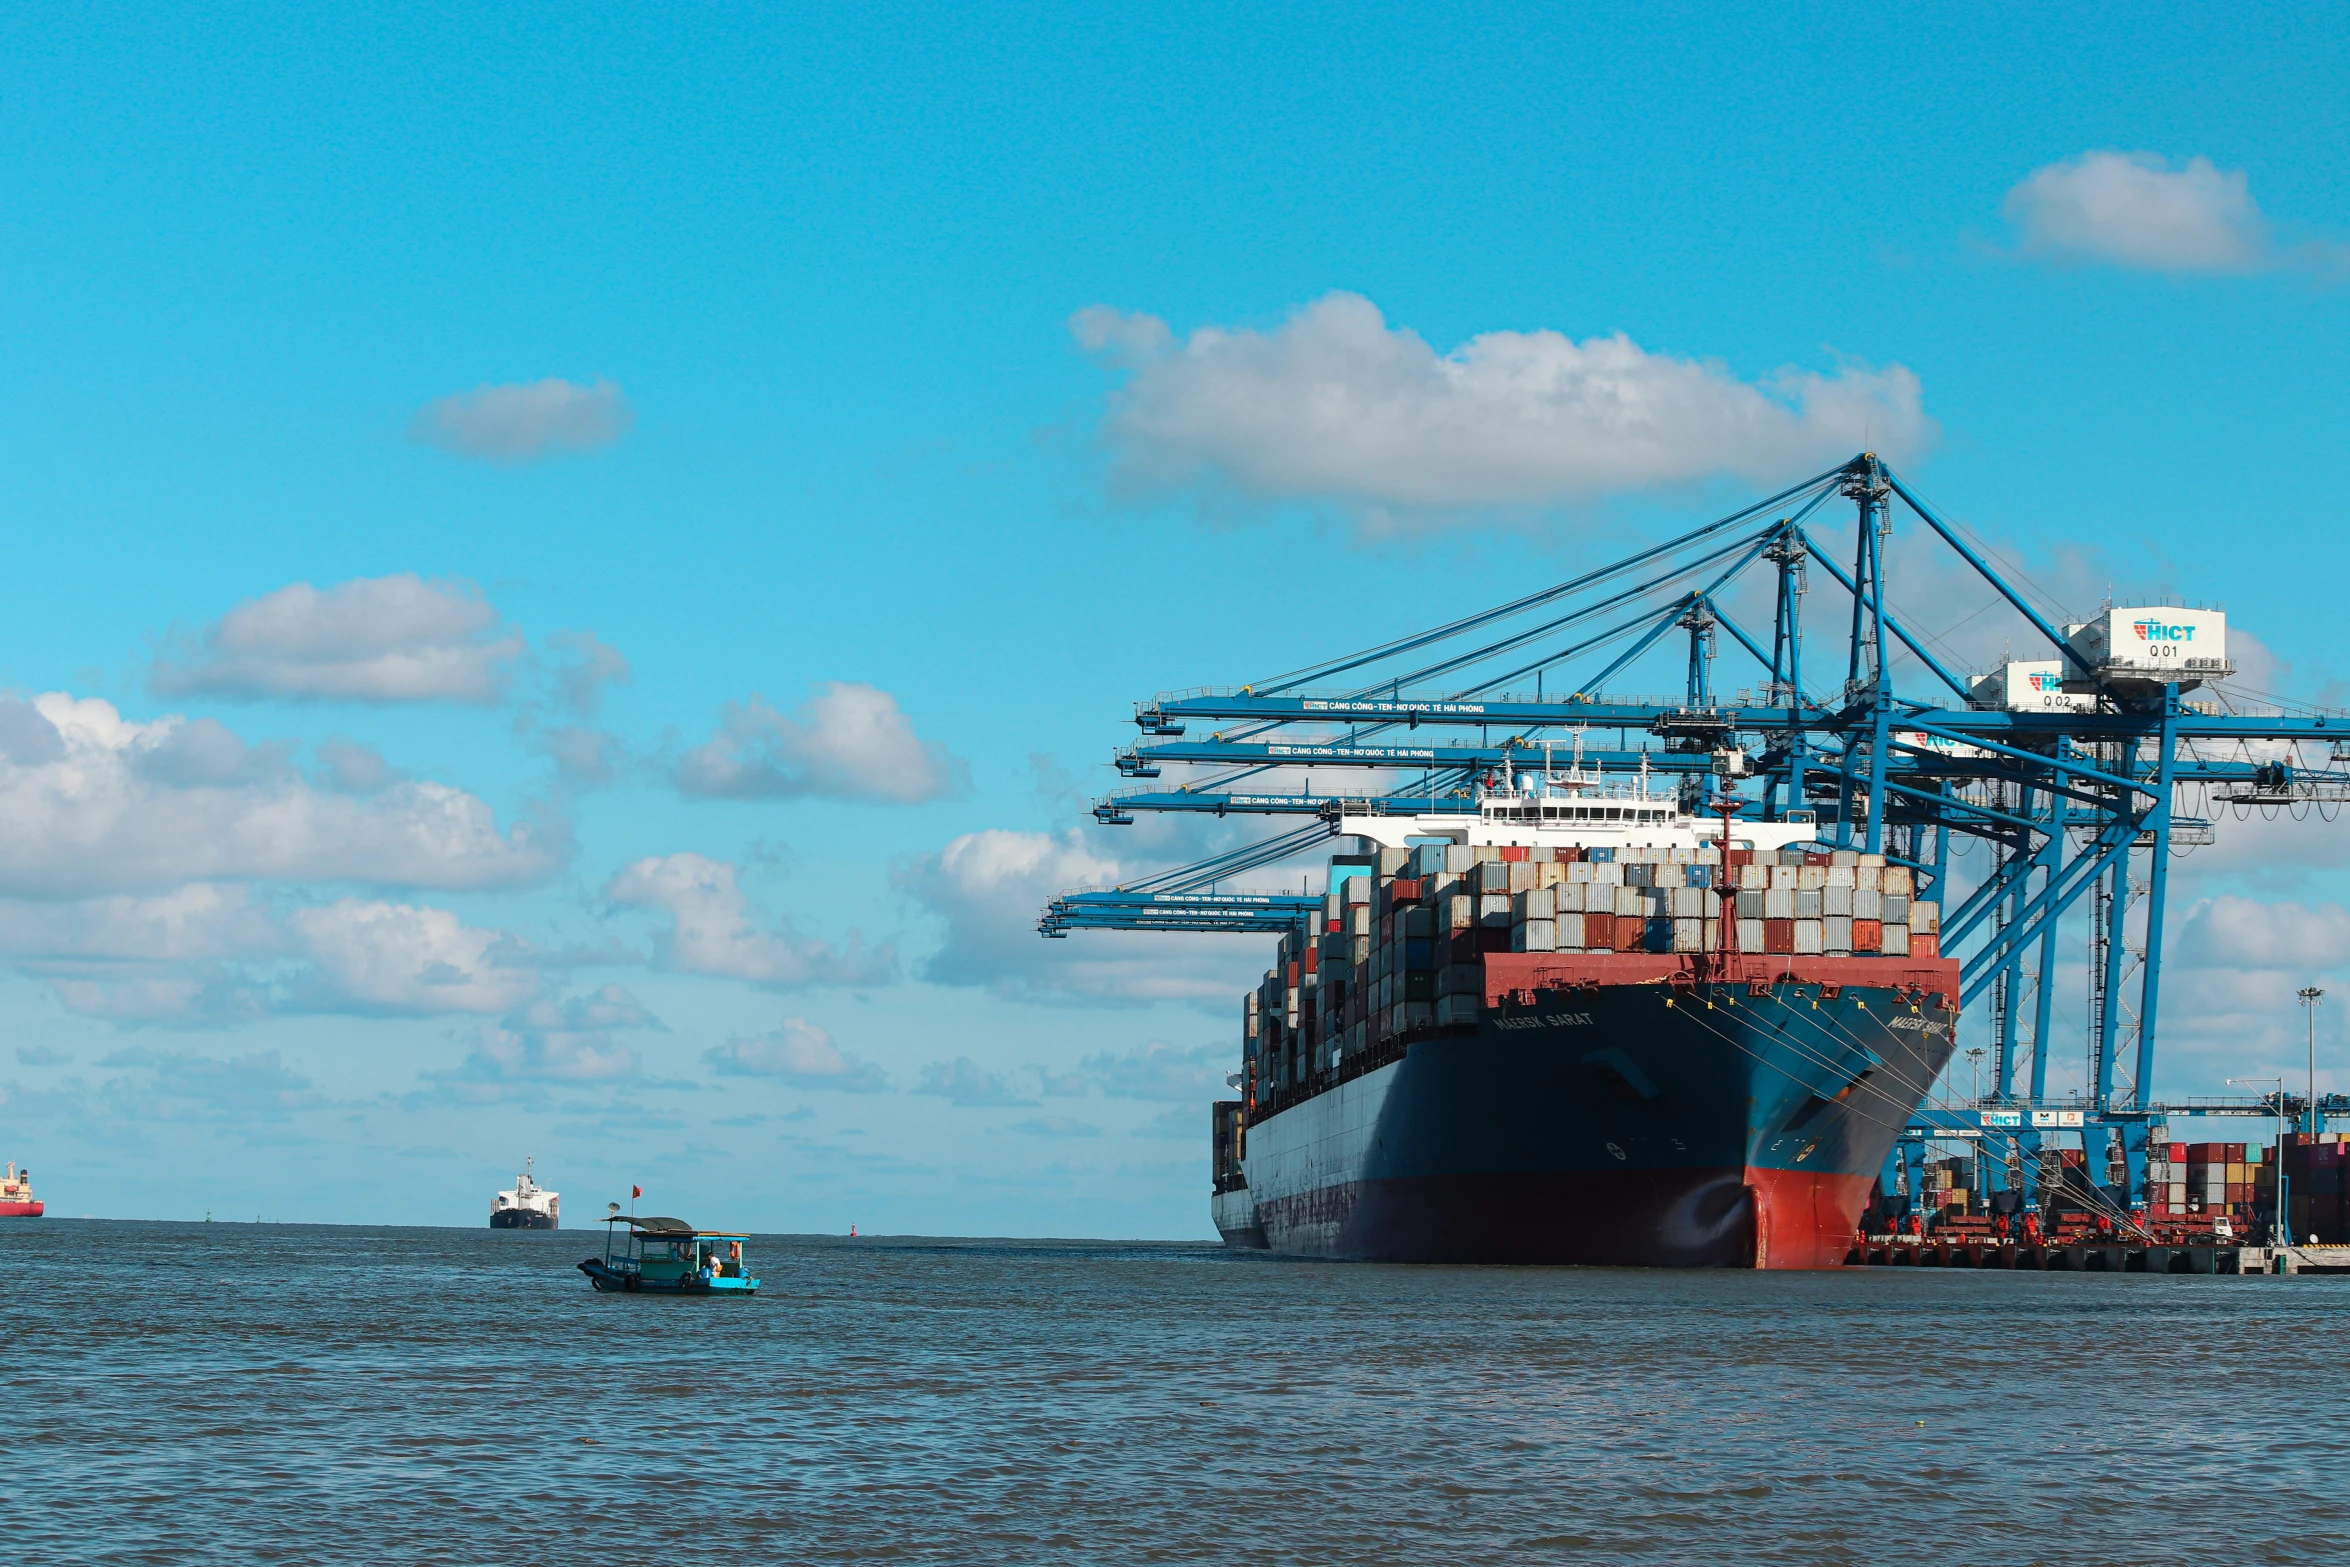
x=636 y=1191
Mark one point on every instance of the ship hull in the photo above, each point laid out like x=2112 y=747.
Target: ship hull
x=22 y=1210
x=1612 y=1110
x=1235 y=1213
x=515 y=1219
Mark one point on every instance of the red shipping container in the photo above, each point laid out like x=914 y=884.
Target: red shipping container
x=1779 y=936
x=1513 y=853
x=2178 y=1153
x=1631 y=933
x=1737 y=857
x=1868 y=935
x=1407 y=890
x=1925 y=943
x=1819 y=859
x=2235 y=1153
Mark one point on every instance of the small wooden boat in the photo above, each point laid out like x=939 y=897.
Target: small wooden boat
x=669 y=1257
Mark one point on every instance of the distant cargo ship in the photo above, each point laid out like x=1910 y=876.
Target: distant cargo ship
x=16 y=1195
x=1520 y=1037
x=529 y=1206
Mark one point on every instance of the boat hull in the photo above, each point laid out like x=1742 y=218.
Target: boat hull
x=620 y=1281
x=1612 y=1111
x=22 y=1210
x=519 y=1219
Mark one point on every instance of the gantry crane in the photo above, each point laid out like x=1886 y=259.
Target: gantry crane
x=2067 y=769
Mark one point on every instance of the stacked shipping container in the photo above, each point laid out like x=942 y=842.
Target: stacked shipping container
x=2317 y=1176
x=1405 y=932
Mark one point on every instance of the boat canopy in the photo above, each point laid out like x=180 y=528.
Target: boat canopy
x=674 y=1229
x=653 y=1226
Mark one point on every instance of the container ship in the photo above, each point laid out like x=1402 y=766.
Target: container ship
x=529 y=1206
x=1529 y=1036
x=16 y=1195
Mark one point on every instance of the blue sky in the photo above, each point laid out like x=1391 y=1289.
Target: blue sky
x=607 y=374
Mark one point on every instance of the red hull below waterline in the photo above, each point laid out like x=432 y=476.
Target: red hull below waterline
x=22 y=1210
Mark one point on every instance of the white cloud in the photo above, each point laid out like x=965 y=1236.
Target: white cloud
x=2134 y=210
x=800 y=1053
x=372 y=639
x=354 y=768
x=586 y=667
x=989 y=888
x=711 y=929
x=2245 y=934
x=160 y=1085
x=965 y=1082
x=1055 y=1126
x=1155 y=1070
x=1335 y=404
x=91 y=802
x=847 y=742
x=524 y=421
x=203 y=921
x=393 y=957
x=548 y=1041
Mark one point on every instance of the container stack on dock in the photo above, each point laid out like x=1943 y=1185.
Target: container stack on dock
x=2317 y=1177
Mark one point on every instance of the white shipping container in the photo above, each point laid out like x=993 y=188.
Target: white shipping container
x=1750 y=935
x=1779 y=903
x=1524 y=877
x=1784 y=876
x=1568 y=932
x=1632 y=900
x=1810 y=937
x=1897 y=878
x=1689 y=935
x=1753 y=878
x=1567 y=897
x=1607 y=874
x=1810 y=878
x=1534 y=936
x=1836 y=933
x=1493 y=908
x=1924 y=914
x=1580 y=872
x=1539 y=904
x=1896 y=941
x=1842 y=875
x=1836 y=902
x=1868 y=878
x=2153 y=639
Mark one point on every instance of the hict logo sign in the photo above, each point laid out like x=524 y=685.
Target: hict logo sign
x=2160 y=631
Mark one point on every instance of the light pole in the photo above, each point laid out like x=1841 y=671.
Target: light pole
x=2310 y=997
x=1975 y=1057
x=2280 y=1227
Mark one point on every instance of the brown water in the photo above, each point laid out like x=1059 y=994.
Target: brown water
x=246 y=1393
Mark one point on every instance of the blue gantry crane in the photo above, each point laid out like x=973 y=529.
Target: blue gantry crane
x=2056 y=779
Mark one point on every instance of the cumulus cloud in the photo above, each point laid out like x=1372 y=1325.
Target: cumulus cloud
x=987 y=889
x=354 y=768
x=1336 y=404
x=92 y=803
x=2246 y=934
x=372 y=639
x=568 y=1041
x=583 y=667
x=524 y=421
x=847 y=742
x=199 y=922
x=800 y=1053
x=399 y=958
x=1055 y=1126
x=1155 y=1070
x=170 y=1085
x=41 y=1055
x=2134 y=209
x=711 y=929
x=965 y=1082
